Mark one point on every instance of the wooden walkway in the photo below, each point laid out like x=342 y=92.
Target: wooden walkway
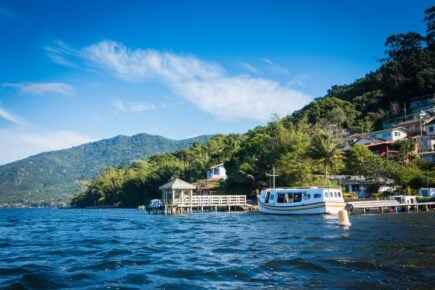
x=387 y=205
x=199 y=203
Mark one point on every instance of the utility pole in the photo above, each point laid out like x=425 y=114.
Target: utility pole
x=273 y=175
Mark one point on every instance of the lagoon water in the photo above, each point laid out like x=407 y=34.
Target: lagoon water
x=129 y=249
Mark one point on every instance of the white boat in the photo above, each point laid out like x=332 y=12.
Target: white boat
x=310 y=200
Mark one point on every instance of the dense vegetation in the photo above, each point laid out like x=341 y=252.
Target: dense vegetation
x=55 y=177
x=299 y=146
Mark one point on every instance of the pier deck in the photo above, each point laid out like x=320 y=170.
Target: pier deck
x=206 y=202
x=387 y=205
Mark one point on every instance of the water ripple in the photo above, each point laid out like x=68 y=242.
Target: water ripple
x=128 y=249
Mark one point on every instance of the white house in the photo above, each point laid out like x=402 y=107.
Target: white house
x=217 y=172
x=429 y=128
x=392 y=134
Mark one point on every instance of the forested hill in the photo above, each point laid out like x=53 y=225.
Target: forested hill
x=55 y=177
x=406 y=71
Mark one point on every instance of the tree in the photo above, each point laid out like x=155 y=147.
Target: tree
x=327 y=152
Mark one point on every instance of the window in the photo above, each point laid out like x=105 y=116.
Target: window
x=297 y=197
x=272 y=197
x=339 y=194
x=289 y=197
x=397 y=134
x=430 y=128
x=307 y=196
x=326 y=194
x=280 y=198
x=317 y=195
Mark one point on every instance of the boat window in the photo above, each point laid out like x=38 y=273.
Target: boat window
x=280 y=198
x=317 y=195
x=336 y=194
x=326 y=194
x=266 y=200
x=339 y=194
x=272 y=197
x=297 y=197
x=307 y=196
x=289 y=197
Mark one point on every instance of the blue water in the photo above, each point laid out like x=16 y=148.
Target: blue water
x=129 y=249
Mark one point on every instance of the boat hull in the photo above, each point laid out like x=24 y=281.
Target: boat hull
x=323 y=207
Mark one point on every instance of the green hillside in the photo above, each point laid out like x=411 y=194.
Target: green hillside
x=55 y=177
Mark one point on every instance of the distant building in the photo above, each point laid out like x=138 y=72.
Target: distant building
x=393 y=134
x=429 y=128
x=384 y=149
x=428 y=156
x=424 y=103
x=358 y=184
x=217 y=172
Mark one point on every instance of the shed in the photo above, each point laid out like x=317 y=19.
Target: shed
x=176 y=191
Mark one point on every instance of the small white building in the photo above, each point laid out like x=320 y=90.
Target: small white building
x=427 y=192
x=392 y=134
x=217 y=172
x=406 y=199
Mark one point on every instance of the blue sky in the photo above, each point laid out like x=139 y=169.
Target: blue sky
x=77 y=71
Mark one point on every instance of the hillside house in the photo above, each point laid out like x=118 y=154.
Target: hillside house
x=429 y=128
x=384 y=149
x=217 y=172
x=393 y=134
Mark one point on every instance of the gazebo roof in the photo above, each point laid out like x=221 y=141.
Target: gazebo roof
x=177 y=184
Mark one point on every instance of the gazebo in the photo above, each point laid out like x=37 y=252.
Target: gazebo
x=176 y=192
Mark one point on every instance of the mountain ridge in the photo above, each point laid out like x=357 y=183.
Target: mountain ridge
x=54 y=177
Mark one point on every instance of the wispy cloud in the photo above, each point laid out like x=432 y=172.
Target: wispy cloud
x=42 y=88
x=125 y=107
x=8 y=13
x=60 y=53
x=203 y=83
x=18 y=145
x=277 y=68
x=249 y=67
x=4 y=114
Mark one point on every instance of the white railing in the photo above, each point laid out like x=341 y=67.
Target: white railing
x=375 y=203
x=214 y=200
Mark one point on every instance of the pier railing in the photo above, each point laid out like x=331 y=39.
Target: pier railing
x=214 y=200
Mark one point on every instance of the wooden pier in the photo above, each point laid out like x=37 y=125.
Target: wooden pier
x=387 y=206
x=178 y=198
x=201 y=203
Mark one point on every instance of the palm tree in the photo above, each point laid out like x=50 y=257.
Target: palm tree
x=327 y=152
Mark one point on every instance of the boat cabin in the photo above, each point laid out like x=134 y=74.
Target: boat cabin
x=286 y=196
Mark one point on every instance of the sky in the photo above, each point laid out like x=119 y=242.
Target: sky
x=78 y=71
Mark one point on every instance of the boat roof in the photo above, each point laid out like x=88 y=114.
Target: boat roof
x=301 y=188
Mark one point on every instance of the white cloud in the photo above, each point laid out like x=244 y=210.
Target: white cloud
x=205 y=84
x=124 y=107
x=4 y=114
x=42 y=88
x=18 y=145
x=277 y=68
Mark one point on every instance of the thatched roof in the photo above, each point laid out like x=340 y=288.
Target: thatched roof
x=177 y=184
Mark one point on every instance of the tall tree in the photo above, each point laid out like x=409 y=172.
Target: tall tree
x=327 y=152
